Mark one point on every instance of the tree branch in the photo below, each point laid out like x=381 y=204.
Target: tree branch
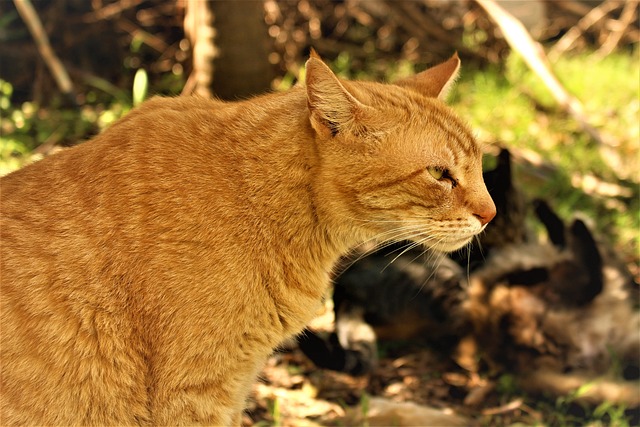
x=30 y=17
x=533 y=54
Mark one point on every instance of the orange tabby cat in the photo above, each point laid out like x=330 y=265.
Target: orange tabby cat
x=147 y=274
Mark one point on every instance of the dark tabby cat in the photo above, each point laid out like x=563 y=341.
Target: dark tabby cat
x=564 y=305
x=411 y=297
x=398 y=292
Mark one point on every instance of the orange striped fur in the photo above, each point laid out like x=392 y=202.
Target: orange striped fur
x=147 y=274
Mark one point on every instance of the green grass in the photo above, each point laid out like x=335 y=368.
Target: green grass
x=512 y=108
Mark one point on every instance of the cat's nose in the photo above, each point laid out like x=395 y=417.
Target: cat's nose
x=485 y=212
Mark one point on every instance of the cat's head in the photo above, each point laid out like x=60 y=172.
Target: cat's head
x=395 y=163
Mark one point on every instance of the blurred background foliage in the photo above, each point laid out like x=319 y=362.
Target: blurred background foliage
x=119 y=52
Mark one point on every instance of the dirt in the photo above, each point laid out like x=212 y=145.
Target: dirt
x=291 y=391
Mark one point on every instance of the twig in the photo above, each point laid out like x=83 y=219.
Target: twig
x=52 y=140
x=189 y=86
x=421 y=23
x=587 y=21
x=425 y=20
x=110 y=11
x=509 y=407
x=198 y=28
x=147 y=38
x=30 y=17
x=572 y=6
x=519 y=39
x=593 y=390
x=335 y=47
x=627 y=18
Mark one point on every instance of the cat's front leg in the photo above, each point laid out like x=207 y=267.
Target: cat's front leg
x=195 y=409
x=201 y=392
x=237 y=419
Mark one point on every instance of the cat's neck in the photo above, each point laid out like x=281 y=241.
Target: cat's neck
x=283 y=185
x=279 y=175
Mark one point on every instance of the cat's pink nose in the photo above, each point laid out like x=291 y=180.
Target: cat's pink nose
x=485 y=212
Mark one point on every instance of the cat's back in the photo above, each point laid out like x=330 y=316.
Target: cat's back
x=159 y=127
x=166 y=142
x=168 y=177
x=88 y=235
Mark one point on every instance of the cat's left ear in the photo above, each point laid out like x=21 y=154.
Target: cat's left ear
x=435 y=82
x=332 y=108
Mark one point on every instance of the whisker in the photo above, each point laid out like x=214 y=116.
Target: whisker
x=433 y=263
x=403 y=249
x=410 y=234
x=399 y=234
x=477 y=237
x=469 y=248
x=422 y=238
x=410 y=246
x=413 y=234
x=351 y=262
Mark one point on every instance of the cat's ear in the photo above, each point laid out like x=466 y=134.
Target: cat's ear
x=552 y=222
x=435 y=82
x=332 y=108
x=587 y=255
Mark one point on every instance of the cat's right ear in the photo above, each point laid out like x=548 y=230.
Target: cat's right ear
x=435 y=82
x=332 y=108
x=551 y=221
x=586 y=254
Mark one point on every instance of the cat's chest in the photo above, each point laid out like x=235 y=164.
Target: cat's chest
x=297 y=298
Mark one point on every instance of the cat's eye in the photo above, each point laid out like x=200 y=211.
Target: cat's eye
x=436 y=172
x=441 y=174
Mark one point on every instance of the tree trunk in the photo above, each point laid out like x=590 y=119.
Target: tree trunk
x=241 y=65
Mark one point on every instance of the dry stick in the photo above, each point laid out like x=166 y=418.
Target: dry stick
x=135 y=31
x=423 y=28
x=509 y=407
x=412 y=12
x=30 y=17
x=197 y=19
x=110 y=11
x=627 y=18
x=573 y=6
x=599 y=390
x=586 y=22
x=533 y=54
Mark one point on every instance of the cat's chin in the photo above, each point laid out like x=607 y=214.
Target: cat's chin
x=450 y=245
